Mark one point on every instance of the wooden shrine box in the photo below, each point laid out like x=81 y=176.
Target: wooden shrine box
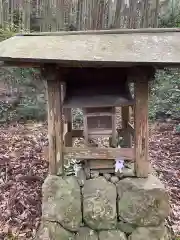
x=91 y=70
x=91 y=90
x=98 y=122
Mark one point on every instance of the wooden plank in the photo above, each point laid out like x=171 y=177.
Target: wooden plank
x=77 y=133
x=99 y=123
x=21 y=64
x=157 y=11
x=141 y=127
x=99 y=153
x=68 y=126
x=96 y=32
x=97 y=101
x=113 y=142
x=68 y=139
x=59 y=124
x=100 y=114
x=85 y=132
x=100 y=132
x=101 y=164
x=101 y=111
x=102 y=171
x=87 y=169
x=66 y=49
x=51 y=130
x=125 y=119
x=131 y=129
x=55 y=125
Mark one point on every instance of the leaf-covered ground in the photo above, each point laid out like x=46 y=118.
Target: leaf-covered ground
x=23 y=167
x=22 y=172
x=165 y=158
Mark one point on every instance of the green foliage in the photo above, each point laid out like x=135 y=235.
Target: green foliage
x=177 y=129
x=33 y=103
x=17 y=18
x=31 y=112
x=165 y=95
x=30 y=84
x=165 y=92
x=171 y=18
x=5 y=34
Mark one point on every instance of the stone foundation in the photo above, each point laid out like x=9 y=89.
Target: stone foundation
x=97 y=209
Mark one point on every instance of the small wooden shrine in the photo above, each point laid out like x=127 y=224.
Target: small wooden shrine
x=93 y=70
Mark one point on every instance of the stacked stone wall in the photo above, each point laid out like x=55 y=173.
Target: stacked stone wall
x=97 y=209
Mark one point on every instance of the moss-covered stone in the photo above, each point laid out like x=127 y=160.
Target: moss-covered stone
x=142 y=202
x=53 y=231
x=85 y=233
x=126 y=227
x=150 y=233
x=99 y=204
x=62 y=202
x=112 y=235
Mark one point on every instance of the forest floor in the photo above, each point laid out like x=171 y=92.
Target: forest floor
x=24 y=166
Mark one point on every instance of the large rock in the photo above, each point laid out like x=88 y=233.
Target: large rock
x=142 y=202
x=86 y=234
x=99 y=204
x=150 y=233
x=112 y=235
x=62 y=202
x=53 y=231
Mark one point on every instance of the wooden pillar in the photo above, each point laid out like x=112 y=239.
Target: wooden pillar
x=125 y=112
x=55 y=123
x=86 y=135
x=114 y=135
x=68 y=128
x=141 y=127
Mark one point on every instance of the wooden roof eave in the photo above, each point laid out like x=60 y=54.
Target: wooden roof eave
x=21 y=64
x=96 y=49
x=25 y=63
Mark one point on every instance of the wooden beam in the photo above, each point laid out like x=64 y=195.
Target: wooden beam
x=68 y=139
x=103 y=171
x=101 y=164
x=85 y=132
x=21 y=64
x=125 y=119
x=99 y=32
x=114 y=137
x=77 y=133
x=55 y=124
x=68 y=136
x=68 y=126
x=99 y=153
x=141 y=127
x=130 y=129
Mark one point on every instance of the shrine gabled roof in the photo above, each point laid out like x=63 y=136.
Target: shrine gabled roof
x=137 y=46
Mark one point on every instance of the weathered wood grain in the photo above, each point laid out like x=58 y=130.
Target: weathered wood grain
x=141 y=127
x=139 y=48
x=55 y=125
x=99 y=153
x=125 y=119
